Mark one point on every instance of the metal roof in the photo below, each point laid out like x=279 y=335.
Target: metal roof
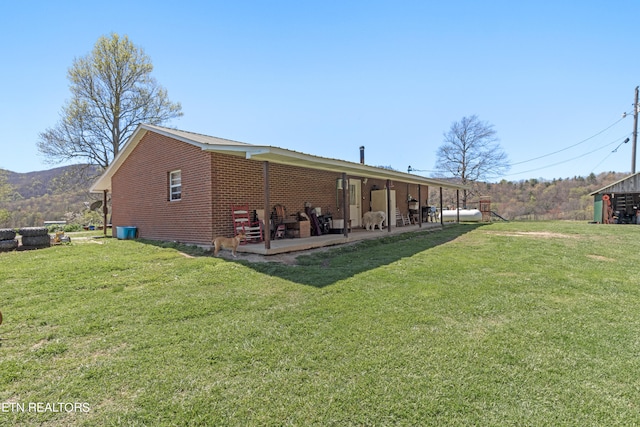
x=629 y=184
x=262 y=153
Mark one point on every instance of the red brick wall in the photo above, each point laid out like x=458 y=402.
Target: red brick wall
x=140 y=191
x=211 y=184
x=240 y=181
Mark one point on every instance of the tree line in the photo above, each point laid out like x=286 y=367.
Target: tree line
x=536 y=198
x=65 y=198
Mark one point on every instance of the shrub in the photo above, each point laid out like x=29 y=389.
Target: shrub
x=72 y=227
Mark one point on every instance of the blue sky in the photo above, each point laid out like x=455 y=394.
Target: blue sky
x=325 y=77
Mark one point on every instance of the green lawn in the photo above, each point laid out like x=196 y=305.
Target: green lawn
x=500 y=324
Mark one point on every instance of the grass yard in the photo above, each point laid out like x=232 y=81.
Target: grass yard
x=500 y=324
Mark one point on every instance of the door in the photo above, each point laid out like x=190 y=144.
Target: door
x=597 y=209
x=355 y=202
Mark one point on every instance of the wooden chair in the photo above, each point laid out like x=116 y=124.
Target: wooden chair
x=243 y=222
x=279 y=221
x=279 y=214
x=415 y=217
x=401 y=220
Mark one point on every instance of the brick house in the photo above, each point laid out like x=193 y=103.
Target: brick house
x=175 y=185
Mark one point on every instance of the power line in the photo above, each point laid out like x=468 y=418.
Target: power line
x=607 y=156
x=410 y=169
x=568 y=160
x=571 y=146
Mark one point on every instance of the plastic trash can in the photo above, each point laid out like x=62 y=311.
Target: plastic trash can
x=124 y=233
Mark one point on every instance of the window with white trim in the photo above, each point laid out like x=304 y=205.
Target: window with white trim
x=175 y=185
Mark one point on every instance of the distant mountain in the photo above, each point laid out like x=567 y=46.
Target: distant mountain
x=48 y=195
x=51 y=181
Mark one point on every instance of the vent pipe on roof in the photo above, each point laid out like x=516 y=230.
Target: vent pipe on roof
x=362 y=154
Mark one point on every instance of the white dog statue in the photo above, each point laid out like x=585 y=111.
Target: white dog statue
x=371 y=219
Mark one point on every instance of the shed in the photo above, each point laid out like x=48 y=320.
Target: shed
x=618 y=203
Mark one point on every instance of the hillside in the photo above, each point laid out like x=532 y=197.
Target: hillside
x=557 y=199
x=49 y=195
x=62 y=194
x=536 y=199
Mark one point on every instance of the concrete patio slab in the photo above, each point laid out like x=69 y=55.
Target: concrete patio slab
x=282 y=246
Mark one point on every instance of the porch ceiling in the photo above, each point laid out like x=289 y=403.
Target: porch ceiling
x=295 y=158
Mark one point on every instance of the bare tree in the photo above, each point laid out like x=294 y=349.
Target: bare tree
x=470 y=153
x=112 y=93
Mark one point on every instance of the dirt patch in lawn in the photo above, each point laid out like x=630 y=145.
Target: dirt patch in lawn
x=600 y=258
x=538 y=234
x=290 y=258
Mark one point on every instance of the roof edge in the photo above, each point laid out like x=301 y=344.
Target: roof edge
x=264 y=153
x=603 y=189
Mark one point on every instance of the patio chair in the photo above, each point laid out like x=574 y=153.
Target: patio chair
x=401 y=220
x=244 y=222
x=278 y=220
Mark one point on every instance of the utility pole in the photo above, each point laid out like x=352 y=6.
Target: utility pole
x=635 y=133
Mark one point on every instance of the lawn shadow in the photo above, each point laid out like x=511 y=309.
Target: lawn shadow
x=328 y=267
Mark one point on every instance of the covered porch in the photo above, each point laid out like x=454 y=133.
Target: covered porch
x=281 y=246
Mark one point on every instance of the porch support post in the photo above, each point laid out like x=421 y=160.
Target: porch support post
x=105 y=212
x=458 y=205
x=441 y=213
x=419 y=206
x=389 y=207
x=267 y=203
x=345 y=206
